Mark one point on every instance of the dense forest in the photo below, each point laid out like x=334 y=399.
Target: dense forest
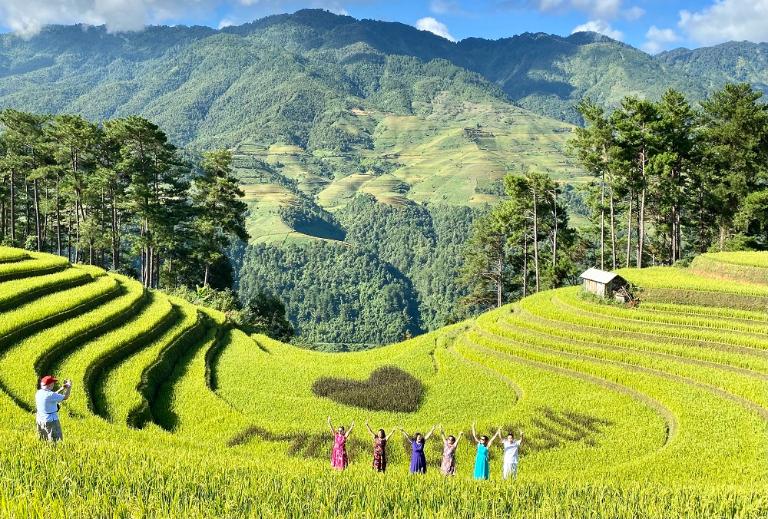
x=395 y=275
x=120 y=196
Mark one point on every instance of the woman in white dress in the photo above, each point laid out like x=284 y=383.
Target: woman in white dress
x=511 y=447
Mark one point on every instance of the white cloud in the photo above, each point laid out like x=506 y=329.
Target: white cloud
x=657 y=40
x=633 y=13
x=601 y=27
x=598 y=9
x=445 y=7
x=726 y=20
x=435 y=27
x=226 y=22
x=27 y=17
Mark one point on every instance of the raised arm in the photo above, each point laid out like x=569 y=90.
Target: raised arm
x=333 y=431
x=497 y=435
x=474 y=433
x=349 y=431
x=65 y=389
x=520 y=431
x=430 y=433
x=458 y=437
x=442 y=433
x=407 y=437
x=391 y=433
x=367 y=426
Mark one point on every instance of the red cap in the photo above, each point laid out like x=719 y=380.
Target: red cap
x=48 y=379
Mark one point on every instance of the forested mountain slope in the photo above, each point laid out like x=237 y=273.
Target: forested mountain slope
x=320 y=109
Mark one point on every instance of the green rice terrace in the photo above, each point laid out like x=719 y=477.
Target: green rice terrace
x=655 y=410
x=457 y=155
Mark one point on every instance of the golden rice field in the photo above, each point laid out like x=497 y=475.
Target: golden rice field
x=660 y=410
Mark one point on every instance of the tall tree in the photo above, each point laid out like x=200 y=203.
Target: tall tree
x=671 y=167
x=593 y=144
x=487 y=268
x=220 y=212
x=25 y=162
x=636 y=121
x=734 y=127
x=156 y=192
x=73 y=141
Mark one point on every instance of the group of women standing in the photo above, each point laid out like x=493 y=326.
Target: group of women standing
x=510 y=446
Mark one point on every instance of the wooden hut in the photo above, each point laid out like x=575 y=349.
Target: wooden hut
x=601 y=283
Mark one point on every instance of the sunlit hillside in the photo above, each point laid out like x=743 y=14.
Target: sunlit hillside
x=654 y=410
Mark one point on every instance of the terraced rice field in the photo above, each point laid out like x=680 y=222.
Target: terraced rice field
x=660 y=410
x=455 y=155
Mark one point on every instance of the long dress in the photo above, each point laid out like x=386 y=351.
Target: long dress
x=418 y=459
x=509 y=468
x=481 y=462
x=379 y=454
x=448 y=465
x=339 y=459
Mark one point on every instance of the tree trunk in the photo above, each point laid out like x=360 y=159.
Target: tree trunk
x=27 y=217
x=536 y=239
x=629 y=230
x=69 y=237
x=77 y=231
x=143 y=255
x=38 y=229
x=602 y=222
x=207 y=269
x=673 y=235
x=613 y=232
x=499 y=279
x=678 y=236
x=13 y=209
x=115 y=242
x=554 y=236
x=641 y=212
x=58 y=223
x=525 y=263
x=723 y=233
x=641 y=228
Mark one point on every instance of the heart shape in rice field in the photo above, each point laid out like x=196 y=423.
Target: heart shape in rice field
x=389 y=388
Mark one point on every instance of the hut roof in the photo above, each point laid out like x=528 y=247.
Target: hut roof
x=600 y=276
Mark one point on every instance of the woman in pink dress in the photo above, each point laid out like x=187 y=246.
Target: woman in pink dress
x=448 y=464
x=339 y=459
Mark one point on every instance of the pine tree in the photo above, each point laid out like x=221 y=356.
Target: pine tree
x=220 y=214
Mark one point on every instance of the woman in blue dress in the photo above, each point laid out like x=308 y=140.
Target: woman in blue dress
x=418 y=459
x=481 y=459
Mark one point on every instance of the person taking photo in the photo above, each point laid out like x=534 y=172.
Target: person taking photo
x=47 y=402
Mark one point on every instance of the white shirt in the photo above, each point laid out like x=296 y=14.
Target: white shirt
x=510 y=451
x=47 y=405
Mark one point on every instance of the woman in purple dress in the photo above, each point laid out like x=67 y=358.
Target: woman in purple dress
x=418 y=459
x=339 y=459
x=380 y=440
x=450 y=443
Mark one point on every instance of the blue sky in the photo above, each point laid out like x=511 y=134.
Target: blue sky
x=653 y=25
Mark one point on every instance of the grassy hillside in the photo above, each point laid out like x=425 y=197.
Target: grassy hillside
x=175 y=413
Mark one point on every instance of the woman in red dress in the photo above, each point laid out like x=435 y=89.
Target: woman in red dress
x=379 y=448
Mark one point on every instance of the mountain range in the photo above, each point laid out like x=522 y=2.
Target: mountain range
x=320 y=108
